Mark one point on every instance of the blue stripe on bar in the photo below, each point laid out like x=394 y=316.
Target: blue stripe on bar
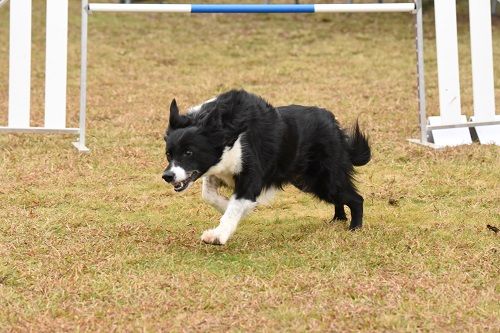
x=221 y=8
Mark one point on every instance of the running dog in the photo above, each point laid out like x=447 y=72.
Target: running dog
x=239 y=140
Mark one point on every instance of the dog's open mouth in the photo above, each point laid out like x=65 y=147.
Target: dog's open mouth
x=182 y=185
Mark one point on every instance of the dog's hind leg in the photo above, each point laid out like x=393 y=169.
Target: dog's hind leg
x=210 y=195
x=355 y=203
x=339 y=212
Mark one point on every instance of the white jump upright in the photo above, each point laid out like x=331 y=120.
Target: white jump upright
x=19 y=64
x=482 y=71
x=448 y=78
x=451 y=128
x=55 y=69
x=56 y=63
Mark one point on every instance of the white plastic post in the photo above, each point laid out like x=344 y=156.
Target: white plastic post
x=20 y=63
x=448 y=77
x=80 y=144
x=447 y=60
x=419 y=43
x=482 y=70
x=56 y=63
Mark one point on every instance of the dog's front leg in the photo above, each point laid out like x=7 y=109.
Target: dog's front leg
x=210 y=195
x=236 y=210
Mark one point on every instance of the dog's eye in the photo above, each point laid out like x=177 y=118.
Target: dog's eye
x=188 y=153
x=168 y=155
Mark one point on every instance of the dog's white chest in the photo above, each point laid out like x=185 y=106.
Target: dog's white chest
x=230 y=164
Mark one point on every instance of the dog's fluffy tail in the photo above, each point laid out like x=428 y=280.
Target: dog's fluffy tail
x=359 y=148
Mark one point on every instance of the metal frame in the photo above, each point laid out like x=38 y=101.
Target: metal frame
x=467 y=124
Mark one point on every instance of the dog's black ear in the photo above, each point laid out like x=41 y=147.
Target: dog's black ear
x=174 y=113
x=174 y=110
x=176 y=120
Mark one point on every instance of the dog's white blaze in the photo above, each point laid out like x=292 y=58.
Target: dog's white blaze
x=209 y=194
x=236 y=210
x=180 y=173
x=230 y=164
x=198 y=107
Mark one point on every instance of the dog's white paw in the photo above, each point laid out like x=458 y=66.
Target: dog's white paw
x=214 y=237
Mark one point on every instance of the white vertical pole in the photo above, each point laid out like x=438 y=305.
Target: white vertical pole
x=447 y=61
x=419 y=42
x=80 y=144
x=56 y=59
x=20 y=64
x=482 y=70
x=482 y=60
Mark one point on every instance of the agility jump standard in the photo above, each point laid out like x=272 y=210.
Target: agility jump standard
x=448 y=129
x=20 y=68
x=88 y=8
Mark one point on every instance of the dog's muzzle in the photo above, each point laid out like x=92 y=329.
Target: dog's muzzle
x=180 y=186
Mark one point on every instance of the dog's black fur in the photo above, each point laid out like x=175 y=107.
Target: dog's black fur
x=301 y=145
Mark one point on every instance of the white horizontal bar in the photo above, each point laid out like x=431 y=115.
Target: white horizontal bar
x=139 y=8
x=468 y=124
x=39 y=130
x=454 y=136
x=227 y=8
x=365 y=7
x=488 y=134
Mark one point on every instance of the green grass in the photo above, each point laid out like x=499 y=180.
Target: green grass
x=98 y=242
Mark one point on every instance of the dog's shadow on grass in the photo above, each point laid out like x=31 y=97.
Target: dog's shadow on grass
x=270 y=246
x=277 y=233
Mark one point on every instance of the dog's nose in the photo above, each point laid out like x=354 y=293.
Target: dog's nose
x=168 y=176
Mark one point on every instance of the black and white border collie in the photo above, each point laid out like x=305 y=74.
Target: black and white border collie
x=239 y=140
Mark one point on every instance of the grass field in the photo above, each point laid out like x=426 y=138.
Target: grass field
x=98 y=242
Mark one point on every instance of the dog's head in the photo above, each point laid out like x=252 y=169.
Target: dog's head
x=191 y=147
